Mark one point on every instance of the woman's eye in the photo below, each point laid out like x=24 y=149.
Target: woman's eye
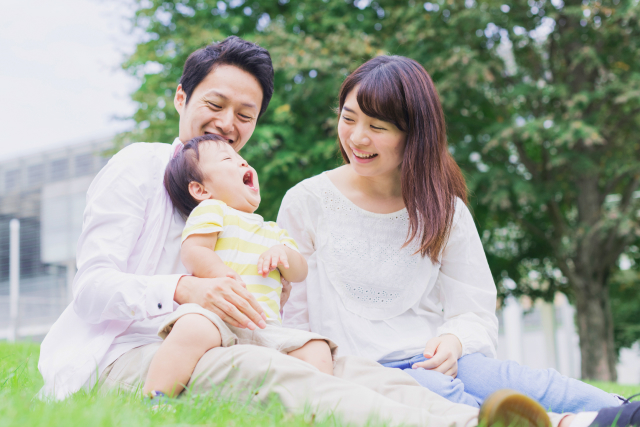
x=347 y=119
x=245 y=117
x=377 y=128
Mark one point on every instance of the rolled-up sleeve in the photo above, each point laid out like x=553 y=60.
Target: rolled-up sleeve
x=467 y=289
x=293 y=217
x=115 y=226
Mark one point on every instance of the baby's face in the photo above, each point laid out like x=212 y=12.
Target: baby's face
x=228 y=177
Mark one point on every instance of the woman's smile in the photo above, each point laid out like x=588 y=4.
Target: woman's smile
x=362 y=156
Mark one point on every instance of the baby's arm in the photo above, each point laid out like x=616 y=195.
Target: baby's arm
x=292 y=264
x=198 y=256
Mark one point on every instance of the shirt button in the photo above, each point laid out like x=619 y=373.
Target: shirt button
x=160 y=305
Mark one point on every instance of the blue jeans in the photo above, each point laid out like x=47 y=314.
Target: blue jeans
x=479 y=376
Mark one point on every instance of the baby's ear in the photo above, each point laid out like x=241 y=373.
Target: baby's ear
x=198 y=191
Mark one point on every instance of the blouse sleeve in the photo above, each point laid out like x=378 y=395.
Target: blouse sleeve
x=294 y=217
x=113 y=222
x=467 y=290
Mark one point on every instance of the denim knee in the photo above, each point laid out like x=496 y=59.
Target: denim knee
x=448 y=387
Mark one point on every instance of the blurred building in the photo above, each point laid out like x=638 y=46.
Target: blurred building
x=46 y=191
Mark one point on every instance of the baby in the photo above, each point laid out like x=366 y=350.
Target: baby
x=211 y=184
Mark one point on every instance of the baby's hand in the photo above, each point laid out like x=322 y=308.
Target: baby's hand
x=271 y=259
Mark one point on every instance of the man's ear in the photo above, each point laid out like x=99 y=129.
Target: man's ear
x=180 y=100
x=198 y=191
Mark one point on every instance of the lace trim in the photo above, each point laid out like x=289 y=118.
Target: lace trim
x=371 y=295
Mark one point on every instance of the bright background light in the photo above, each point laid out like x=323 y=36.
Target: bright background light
x=60 y=72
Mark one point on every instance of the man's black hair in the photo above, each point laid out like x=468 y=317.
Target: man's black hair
x=245 y=55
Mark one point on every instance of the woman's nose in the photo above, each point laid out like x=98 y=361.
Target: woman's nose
x=360 y=137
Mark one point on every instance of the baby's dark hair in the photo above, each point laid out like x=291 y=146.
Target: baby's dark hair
x=182 y=170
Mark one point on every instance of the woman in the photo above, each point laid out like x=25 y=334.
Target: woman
x=130 y=278
x=397 y=272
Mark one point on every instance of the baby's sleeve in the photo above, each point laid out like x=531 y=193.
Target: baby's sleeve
x=284 y=238
x=206 y=218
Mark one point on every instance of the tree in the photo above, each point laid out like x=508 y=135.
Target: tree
x=542 y=101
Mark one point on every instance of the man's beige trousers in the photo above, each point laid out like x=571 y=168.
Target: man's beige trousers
x=360 y=390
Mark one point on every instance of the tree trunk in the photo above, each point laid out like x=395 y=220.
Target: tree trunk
x=595 y=328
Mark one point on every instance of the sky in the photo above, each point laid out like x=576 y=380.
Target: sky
x=60 y=72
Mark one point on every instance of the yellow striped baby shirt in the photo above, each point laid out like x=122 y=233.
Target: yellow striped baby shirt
x=242 y=238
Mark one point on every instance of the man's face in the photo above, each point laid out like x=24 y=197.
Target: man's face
x=226 y=103
x=228 y=177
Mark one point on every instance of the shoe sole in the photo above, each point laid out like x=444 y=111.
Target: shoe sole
x=508 y=408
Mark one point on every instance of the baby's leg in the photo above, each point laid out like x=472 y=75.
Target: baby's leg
x=191 y=337
x=317 y=353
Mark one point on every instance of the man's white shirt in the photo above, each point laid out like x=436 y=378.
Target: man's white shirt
x=128 y=269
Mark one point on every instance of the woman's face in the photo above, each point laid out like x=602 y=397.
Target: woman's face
x=226 y=103
x=374 y=147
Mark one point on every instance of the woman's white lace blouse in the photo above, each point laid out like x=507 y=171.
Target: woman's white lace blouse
x=373 y=297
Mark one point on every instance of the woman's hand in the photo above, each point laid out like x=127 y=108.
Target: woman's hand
x=443 y=353
x=224 y=296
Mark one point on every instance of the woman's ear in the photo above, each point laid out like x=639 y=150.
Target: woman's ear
x=198 y=191
x=180 y=100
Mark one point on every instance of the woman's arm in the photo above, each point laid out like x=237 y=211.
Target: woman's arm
x=468 y=297
x=467 y=290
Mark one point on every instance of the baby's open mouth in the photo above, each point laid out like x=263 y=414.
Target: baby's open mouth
x=247 y=179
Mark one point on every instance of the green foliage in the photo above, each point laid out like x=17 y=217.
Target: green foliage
x=625 y=301
x=542 y=100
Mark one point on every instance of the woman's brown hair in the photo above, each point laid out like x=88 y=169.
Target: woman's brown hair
x=398 y=90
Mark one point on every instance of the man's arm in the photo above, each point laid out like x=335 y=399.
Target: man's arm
x=105 y=286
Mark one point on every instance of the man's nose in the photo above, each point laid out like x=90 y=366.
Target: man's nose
x=224 y=120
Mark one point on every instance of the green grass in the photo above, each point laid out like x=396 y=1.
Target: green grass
x=20 y=381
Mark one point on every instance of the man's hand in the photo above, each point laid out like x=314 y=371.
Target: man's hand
x=225 y=296
x=286 y=292
x=443 y=353
x=271 y=259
